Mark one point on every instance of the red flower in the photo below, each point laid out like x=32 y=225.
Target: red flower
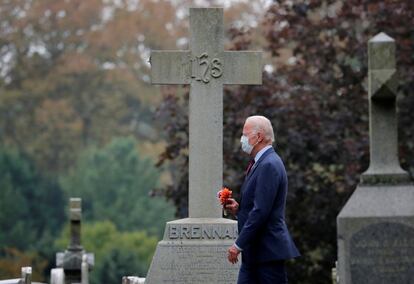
x=224 y=194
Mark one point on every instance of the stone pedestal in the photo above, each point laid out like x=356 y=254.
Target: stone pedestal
x=71 y=262
x=194 y=250
x=376 y=236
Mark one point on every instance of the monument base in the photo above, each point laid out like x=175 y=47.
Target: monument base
x=194 y=250
x=376 y=236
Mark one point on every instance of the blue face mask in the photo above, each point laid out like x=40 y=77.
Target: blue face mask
x=246 y=147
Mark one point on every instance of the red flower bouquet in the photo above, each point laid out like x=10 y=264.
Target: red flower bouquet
x=223 y=195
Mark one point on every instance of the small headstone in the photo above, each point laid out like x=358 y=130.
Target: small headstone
x=71 y=259
x=132 y=280
x=376 y=226
x=57 y=276
x=27 y=275
x=193 y=250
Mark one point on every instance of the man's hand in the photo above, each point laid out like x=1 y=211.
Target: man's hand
x=232 y=254
x=232 y=206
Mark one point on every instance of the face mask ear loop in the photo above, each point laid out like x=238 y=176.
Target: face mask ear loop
x=257 y=142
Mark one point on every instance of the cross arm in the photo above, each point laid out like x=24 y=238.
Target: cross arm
x=243 y=67
x=170 y=67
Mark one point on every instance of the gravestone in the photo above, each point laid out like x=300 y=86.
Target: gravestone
x=57 y=276
x=132 y=280
x=194 y=250
x=71 y=259
x=376 y=226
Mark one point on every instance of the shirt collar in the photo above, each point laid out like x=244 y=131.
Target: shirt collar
x=261 y=152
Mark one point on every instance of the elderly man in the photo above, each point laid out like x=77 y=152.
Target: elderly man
x=264 y=239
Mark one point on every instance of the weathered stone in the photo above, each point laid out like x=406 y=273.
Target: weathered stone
x=71 y=259
x=132 y=280
x=27 y=275
x=57 y=276
x=194 y=250
x=376 y=226
x=206 y=67
x=384 y=165
x=375 y=236
x=75 y=215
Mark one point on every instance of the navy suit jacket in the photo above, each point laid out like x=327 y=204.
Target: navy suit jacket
x=263 y=234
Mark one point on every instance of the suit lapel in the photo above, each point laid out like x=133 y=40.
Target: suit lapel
x=254 y=167
x=270 y=150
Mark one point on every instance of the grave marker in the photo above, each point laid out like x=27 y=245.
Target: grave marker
x=193 y=250
x=71 y=259
x=376 y=226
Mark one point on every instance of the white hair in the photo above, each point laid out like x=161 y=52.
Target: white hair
x=261 y=123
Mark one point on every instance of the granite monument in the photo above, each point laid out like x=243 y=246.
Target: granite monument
x=376 y=226
x=193 y=250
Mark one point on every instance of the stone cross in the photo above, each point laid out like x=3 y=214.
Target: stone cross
x=376 y=226
x=71 y=260
x=382 y=84
x=206 y=67
x=75 y=224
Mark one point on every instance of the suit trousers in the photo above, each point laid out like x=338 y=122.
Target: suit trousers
x=272 y=272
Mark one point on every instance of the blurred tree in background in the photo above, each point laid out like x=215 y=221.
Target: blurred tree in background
x=74 y=76
x=114 y=183
x=315 y=93
x=77 y=72
x=12 y=260
x=74 y=73
x=25 y=193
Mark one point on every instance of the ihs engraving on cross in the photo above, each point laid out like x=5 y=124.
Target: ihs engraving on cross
x=206 y=66
x=203 y=68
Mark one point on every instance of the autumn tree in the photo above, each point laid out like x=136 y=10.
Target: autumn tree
x=314 y=91
x=75 y=73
